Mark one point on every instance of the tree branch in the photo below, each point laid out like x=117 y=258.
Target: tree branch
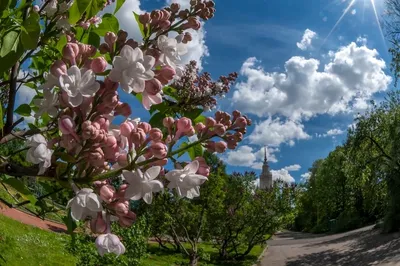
x=11 y=99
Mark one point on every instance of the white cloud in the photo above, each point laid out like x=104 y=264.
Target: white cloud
x=306 y=41
x=282 y=175
x=275 y=132
x=24 y=95
x=331 y=132
x=293 y=167
x=248 y=157
x=353 y=74
x=305 y=177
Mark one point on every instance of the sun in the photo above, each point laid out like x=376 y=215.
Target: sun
x=347 y=10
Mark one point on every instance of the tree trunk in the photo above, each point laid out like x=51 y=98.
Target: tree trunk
x=194 y=259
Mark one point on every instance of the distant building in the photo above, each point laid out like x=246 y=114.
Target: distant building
x=266 y=176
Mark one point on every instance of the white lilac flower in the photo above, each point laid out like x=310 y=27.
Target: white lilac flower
x=171 y=50
x=47 y=104
x=51 y=8
x=109 y=243
x=186 y=181
x=63 y=24
x=38 y=152
x=131 y=68
x=79 y=83
x=64 y=6
x=142 y=185
x=84 y=204
x=51 y=81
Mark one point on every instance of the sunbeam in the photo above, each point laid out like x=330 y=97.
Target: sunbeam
x=378 y=22
x=339 y=20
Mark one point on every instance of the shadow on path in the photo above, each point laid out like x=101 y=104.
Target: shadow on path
x=362 y=248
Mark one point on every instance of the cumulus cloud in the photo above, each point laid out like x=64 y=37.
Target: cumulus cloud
x=350 y=78
x=275 y=132
x=282 y=175
x=362 y=40
x=306 y=41
x=249 y=157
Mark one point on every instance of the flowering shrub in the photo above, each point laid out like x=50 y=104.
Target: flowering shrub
x=74 y=140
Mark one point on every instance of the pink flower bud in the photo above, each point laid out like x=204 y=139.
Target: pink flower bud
x=66 y=125
x=158 y=149
x=127 y=219
x=145 y=126
x=220 y=146
x=199 y=127
x=204 y=169
x=121 y=207
x=111 y=141
x=123 y=160
x=126 y=128
x=236 y=114
x=184 y=124
x=36 y=8
x=110 y=85
x=210 y=146
x=70 y=52
x=153 y=86
x=98 y=225
x=58 y=68
x=210 y=122
x=110 y=38
x=107 y=193
x=165 y=24
x=121 y=191
x=144 y=18
x=155 y=135
x=138 y=137
x=98 y=65
x=165 y=74
x=219 y=129
x=96 y=157
x=168 y=122
x=123 y=109
x=232 y=144
x=175 y=7
x=240 y=122
x=190 y=132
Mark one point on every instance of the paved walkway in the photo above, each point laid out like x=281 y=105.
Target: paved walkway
x=31 y=220
x=361 y=247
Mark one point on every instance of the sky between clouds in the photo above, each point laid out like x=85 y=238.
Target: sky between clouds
x=300 y=90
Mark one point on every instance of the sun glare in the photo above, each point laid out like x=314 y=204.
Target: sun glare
x=348 y=9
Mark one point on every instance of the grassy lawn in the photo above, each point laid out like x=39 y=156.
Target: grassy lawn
x=162 y=257
x=22 y=244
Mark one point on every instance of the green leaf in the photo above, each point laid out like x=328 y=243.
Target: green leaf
x=93 y=39
x=199 y=119
x=4 y=5
x=10 y=42
x=194 y=113
x=23 y=109
x=141 y=26
x=31 y=31
x=61 y=168
x=21 y=188
x=90 y=7
x=183 y=145
x=118 y=6
x=67 y=158
x=157 y=120
x=61 y=43
x=73 y=13
x=109 y=23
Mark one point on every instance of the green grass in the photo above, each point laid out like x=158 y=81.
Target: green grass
x=22 y=244
x=163 y=257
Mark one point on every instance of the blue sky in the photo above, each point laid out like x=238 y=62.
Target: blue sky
x=300 y=88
